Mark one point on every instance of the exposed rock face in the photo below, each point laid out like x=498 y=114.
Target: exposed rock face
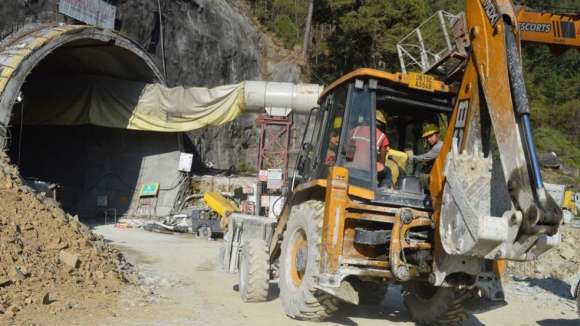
x=206 y=43
x=210 y=43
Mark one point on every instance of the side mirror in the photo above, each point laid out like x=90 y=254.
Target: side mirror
x=304 y=161
x=303 y=158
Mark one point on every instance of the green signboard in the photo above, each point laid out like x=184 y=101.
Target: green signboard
x=149 y=189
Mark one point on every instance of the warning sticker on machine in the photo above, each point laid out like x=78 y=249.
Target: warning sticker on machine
x=491 y=11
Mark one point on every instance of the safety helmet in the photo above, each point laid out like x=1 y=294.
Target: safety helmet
x=429 y=130
x=381 y=117
x=337 y=122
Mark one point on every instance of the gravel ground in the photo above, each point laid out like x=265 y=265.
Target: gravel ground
x=180 y=282
x=188 y=287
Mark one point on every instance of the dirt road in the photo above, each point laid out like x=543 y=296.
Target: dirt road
x=183 y=284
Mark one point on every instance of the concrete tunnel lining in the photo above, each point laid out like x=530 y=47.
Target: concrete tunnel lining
x=89 y=161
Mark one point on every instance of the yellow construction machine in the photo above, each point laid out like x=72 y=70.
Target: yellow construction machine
x=559 y=30
x=342 y=237
x=566 y=198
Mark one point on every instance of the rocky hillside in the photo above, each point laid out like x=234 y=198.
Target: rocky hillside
x=205 y=42
x=200 y=43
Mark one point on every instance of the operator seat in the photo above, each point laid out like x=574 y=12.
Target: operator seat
x=396 y=161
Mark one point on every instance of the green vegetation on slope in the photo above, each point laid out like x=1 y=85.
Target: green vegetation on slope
x=349 y=34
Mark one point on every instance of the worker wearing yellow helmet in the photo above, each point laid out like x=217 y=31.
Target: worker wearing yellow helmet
x=334 y=137
x=381 y=118
x=337 y=123
x=431 y=137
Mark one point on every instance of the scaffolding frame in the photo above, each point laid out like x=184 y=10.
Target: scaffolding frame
x=274 y=144
x=430 y=49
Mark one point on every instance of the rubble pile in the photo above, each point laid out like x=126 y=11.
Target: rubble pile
x=46 y=255
x=561 y=263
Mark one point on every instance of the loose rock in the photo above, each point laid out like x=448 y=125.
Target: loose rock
x=568 y=253
x=69 y=259
x=45 y=250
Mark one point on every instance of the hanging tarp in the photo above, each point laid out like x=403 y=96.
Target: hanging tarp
x=124 y=104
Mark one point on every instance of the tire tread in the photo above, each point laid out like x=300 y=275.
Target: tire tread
x=255 y=287
x=450 y=306
x=306 y=302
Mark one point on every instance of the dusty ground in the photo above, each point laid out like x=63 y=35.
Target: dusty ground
x=183 y=284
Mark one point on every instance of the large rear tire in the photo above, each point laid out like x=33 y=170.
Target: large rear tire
x=370 y=293
x=431 y=305
x=254 y=271
x=299 y=264
x=578 y=299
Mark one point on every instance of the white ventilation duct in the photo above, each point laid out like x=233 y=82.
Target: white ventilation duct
x=280 y=99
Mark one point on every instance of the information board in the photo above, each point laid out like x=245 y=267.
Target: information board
x=185 y=161
x=274 y=178
x=149 y=189
x=92 y=12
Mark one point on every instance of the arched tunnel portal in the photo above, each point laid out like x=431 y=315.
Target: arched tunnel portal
x=88 y=162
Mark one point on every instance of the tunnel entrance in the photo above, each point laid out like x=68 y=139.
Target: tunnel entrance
x=89 y=162
x=40 y=70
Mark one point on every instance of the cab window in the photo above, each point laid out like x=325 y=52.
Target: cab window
x=329 y=150
x=312 y=136
x=359 y=136
x=335 y=124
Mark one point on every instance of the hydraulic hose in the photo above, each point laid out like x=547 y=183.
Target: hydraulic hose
x=522 y=107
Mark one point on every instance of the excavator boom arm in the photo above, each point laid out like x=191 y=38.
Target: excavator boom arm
x=487 y=206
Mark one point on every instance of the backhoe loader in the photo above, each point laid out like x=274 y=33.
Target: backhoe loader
x=341 y=237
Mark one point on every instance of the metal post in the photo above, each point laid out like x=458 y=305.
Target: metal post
x=401 y=60
x=162 y=39
x=445 y=34
x=424 y=57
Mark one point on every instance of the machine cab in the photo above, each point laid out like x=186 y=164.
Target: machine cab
x=346 y=132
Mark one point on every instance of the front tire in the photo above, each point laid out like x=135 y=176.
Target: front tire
x=431 y=305
x=299 y=265
x=254 y=271
x=370 y=293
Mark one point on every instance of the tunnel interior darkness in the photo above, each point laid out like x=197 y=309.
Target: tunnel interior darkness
x=88 y=161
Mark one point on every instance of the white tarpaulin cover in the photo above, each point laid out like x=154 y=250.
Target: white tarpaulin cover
x=130 y=105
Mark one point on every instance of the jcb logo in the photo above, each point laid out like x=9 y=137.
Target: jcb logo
x=461 y=121
x=535 y=27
